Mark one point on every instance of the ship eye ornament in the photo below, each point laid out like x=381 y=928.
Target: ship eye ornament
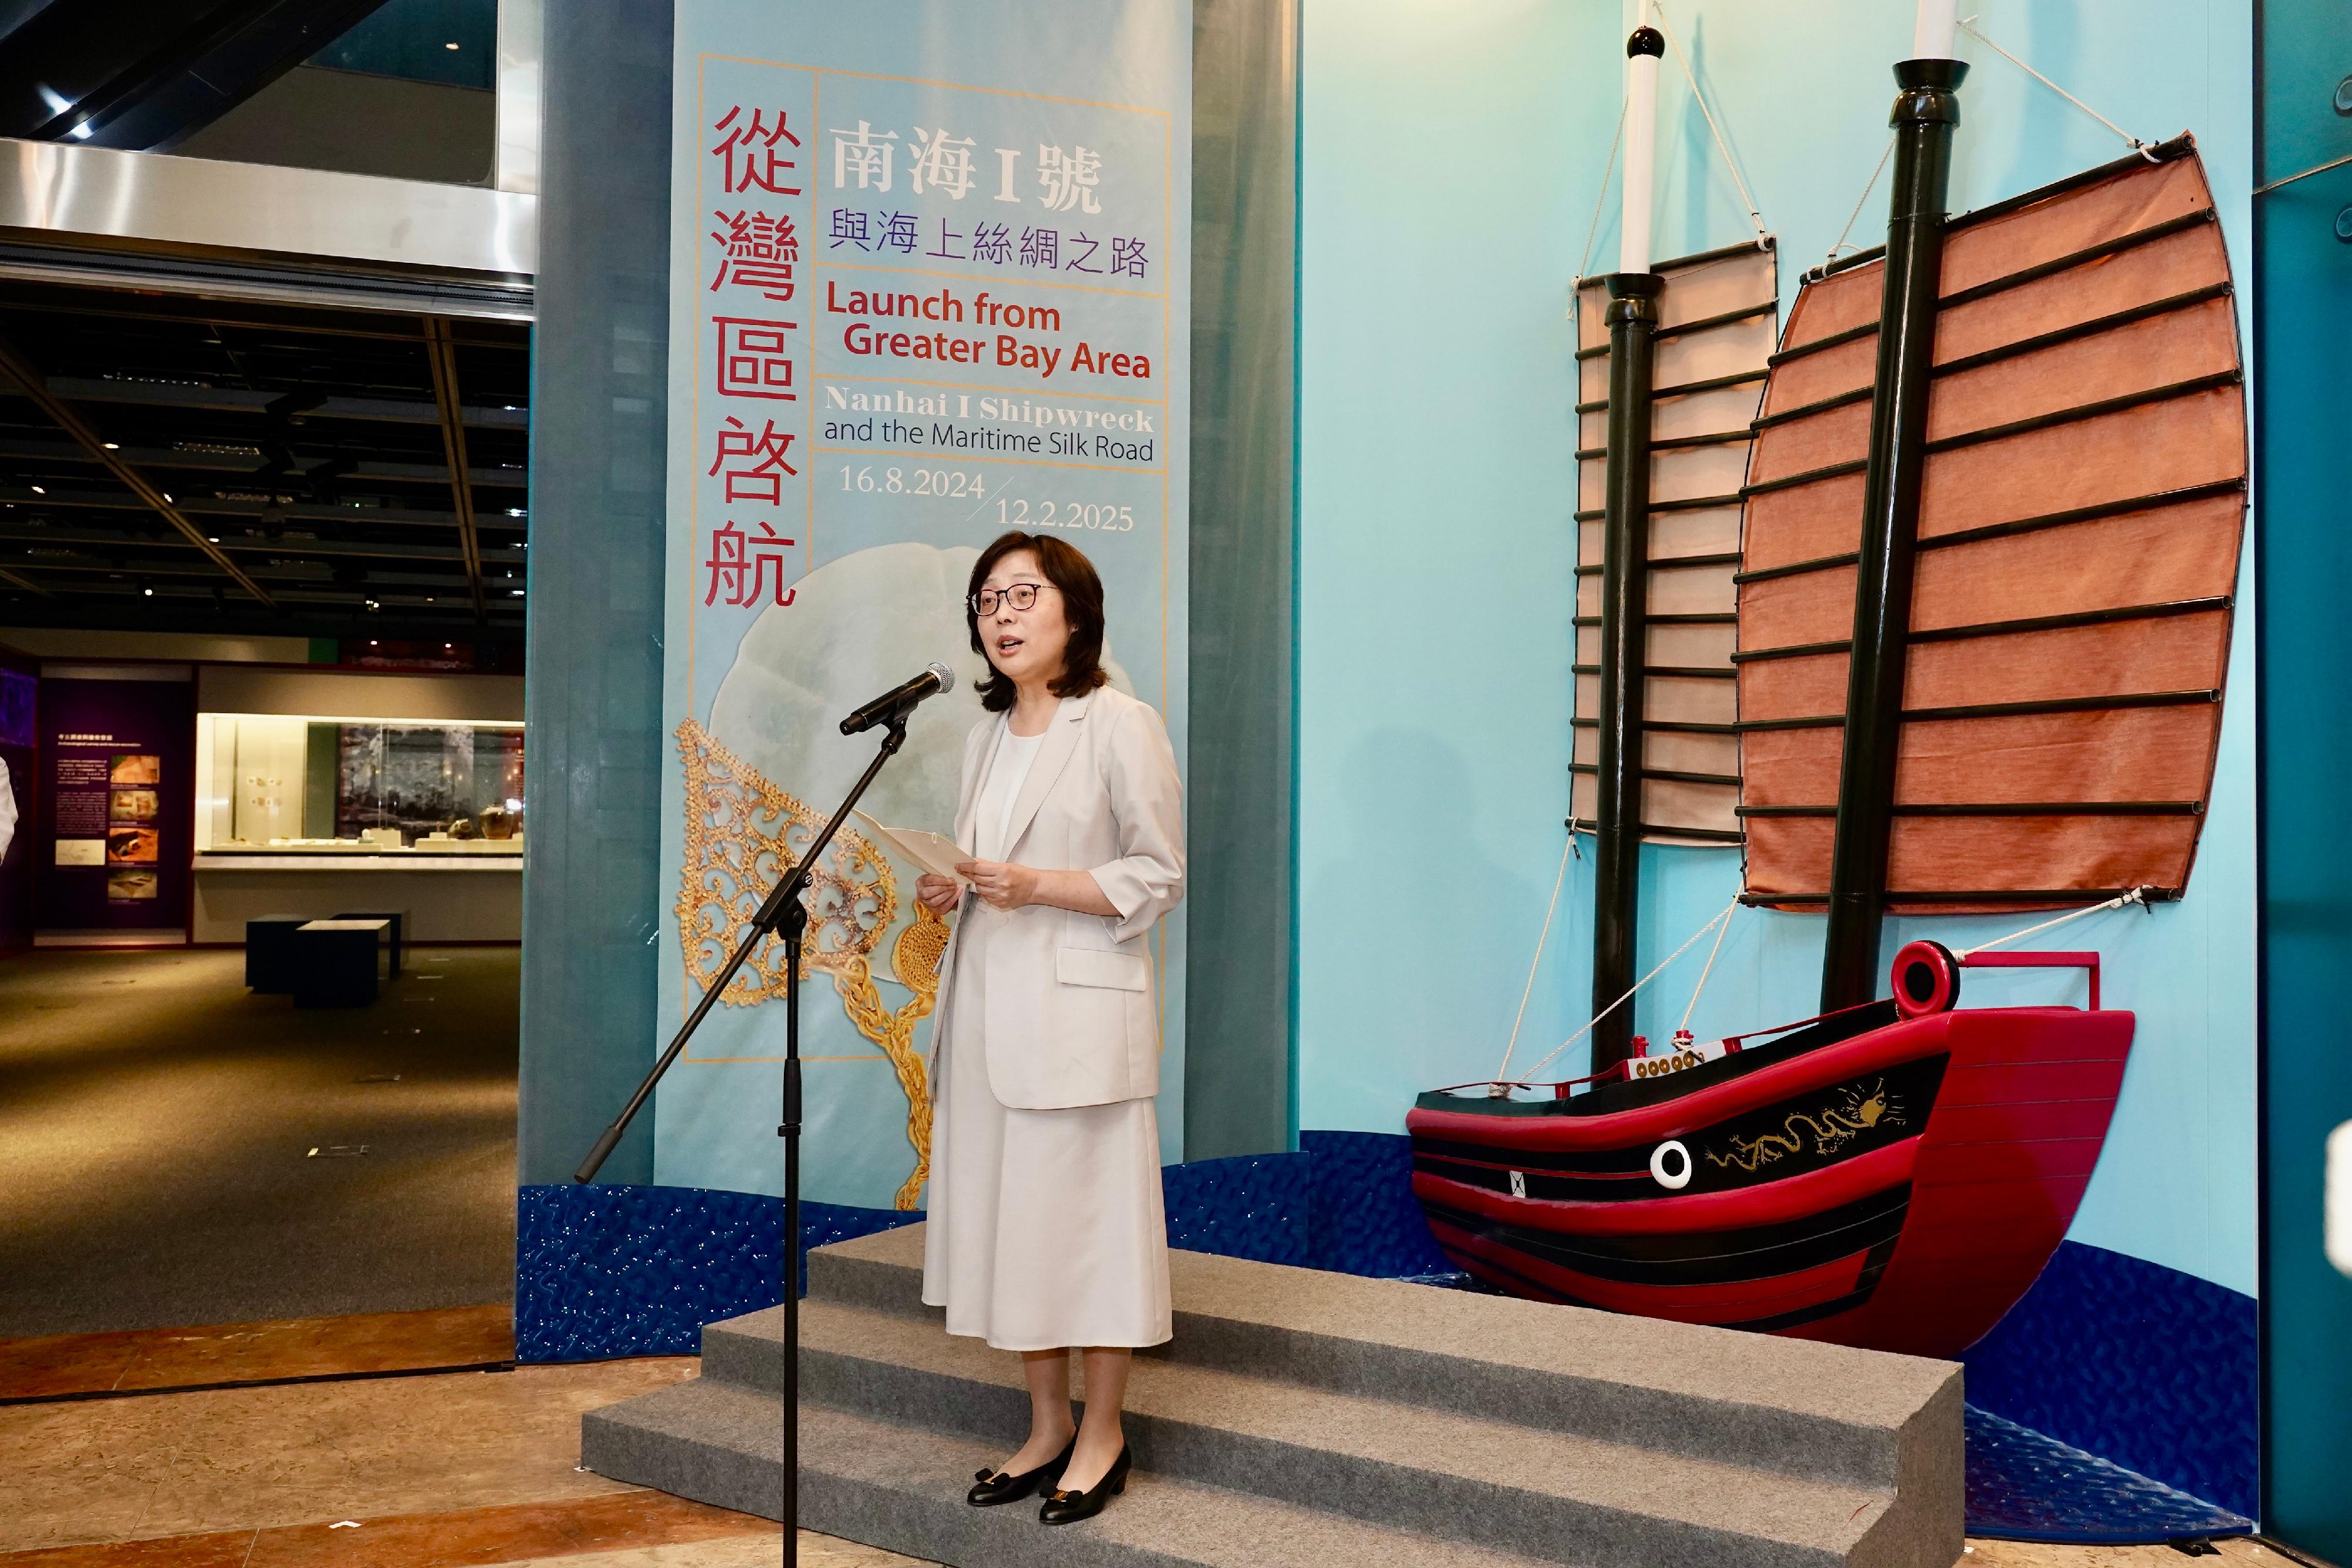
x=1670 y=1165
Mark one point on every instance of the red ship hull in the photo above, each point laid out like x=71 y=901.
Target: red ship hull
x=1895 y=1184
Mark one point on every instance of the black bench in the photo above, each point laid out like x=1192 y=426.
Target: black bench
x=335 y=962
x=269 y=952
x=397 y=916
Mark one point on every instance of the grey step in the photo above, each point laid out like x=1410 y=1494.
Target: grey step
x=1818 y=1411
x=1459 y=1478
x=902 y=1489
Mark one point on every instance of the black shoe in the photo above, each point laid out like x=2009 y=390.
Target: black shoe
x=993 y=1487
x=1069 y=1507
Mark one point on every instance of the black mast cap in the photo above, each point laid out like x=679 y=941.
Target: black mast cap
x=1646 y=41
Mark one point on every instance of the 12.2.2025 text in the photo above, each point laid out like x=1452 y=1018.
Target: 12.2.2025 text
x=1020 y=513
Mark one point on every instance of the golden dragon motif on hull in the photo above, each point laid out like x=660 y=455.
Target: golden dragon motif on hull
x=1832 y=1130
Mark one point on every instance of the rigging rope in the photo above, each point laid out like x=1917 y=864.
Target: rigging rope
x=2136 y=895
x=1557 y=882
x=1721 y=932
x=1721 y=918
x=1594 y=232
x=1967 y=24
x=1839 y=244
x=1721 y=146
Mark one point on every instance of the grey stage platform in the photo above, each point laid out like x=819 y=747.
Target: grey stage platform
x=1310 y=1420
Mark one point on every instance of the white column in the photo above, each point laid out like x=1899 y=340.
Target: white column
x=1931 y=31
x=1641 y=159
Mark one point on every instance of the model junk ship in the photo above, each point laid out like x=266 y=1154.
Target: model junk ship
x=1964 y=654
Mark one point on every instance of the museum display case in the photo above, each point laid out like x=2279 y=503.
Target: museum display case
x=298 y=812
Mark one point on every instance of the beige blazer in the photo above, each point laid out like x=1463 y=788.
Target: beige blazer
x=1071 y=1015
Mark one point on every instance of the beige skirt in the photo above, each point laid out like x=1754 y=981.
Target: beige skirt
x=1046 y=1228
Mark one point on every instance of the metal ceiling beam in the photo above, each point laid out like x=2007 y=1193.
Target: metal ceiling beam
x=253 y=465
x=137 y=308
x=30 y=382
x=328 y=550
x=26 y=583
x=249 y=512
x=237 y=399
x=443 y=354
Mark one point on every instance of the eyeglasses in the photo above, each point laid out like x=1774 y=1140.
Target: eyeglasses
x=1020 y=595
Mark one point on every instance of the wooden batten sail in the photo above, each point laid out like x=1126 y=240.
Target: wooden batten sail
x=2078 y=542
x=1717 y=317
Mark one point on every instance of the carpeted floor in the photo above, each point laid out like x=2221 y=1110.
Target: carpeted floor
x=155 y=1127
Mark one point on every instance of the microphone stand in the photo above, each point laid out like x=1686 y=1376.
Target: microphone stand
x=785 y=915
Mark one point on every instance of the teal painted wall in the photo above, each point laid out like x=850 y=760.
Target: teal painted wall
x=2305 y=317
x=1442 y=198
x=1451 y=159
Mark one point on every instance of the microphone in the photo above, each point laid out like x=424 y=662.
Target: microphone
x=936 y=678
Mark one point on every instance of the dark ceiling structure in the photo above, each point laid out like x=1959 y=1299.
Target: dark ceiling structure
x=145 y=75
x=174 y=461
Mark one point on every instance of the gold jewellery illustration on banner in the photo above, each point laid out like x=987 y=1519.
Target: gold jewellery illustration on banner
x=1835 y=1127
x=743 y=835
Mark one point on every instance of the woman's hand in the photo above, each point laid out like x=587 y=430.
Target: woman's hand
x=941 y=894
x=1001 y=886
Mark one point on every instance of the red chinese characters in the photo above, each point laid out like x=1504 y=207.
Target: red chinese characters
x=754 y=358
x=757 y=251
x=750 y=567
x=754 y=156
x=761 y=458
x=749 y=154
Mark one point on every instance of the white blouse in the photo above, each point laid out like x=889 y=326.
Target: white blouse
x=1008 y=770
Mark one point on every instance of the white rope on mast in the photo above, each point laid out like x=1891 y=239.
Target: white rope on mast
x=1746 y=200
x=1597 y=202
x=2136 y=895
x=1720 y=932
x=1968 y=25
x=1839 y=244
x=1621 y=1001
x=1557 y=882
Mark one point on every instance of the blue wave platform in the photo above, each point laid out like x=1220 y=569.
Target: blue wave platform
x=2151 y=1366
x=2024 y=1485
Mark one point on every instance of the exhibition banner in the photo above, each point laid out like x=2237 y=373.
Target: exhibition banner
x=927 y=284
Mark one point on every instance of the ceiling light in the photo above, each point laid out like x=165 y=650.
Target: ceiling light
x=371 y=641
x=38 y=491
x=514 y=511
x=167 y=495
x=210 y=539
x=516 y=592
x=112 y=445
x=449 y=45
x=147 y=594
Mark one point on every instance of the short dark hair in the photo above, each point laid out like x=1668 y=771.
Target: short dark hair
x=1067 y=569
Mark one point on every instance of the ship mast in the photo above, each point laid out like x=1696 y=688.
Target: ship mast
x=1926 y=109
x=1632 y=321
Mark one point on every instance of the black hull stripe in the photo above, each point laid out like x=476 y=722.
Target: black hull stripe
x=1544 y=1188
x=1873 y=1269
x=1703 y=1258
x=1622 y=1163
x=1472 y=1264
